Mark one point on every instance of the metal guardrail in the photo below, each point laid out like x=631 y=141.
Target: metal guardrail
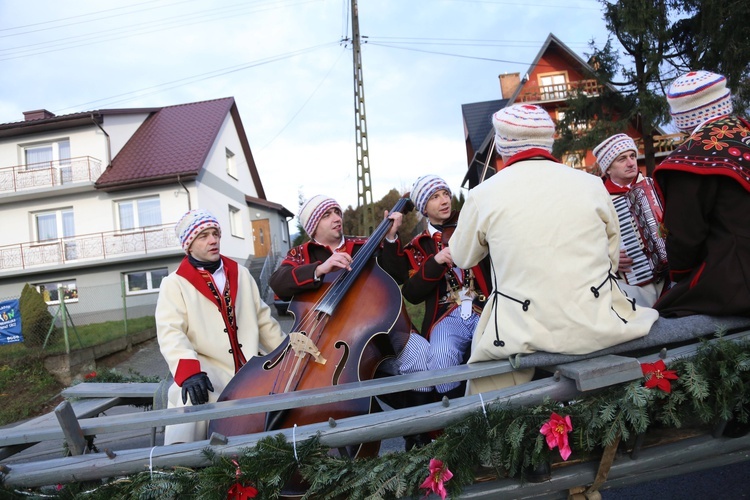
x=49 y=174
x=88 y=247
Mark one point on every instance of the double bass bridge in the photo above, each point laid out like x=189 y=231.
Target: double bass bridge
x=301 y=344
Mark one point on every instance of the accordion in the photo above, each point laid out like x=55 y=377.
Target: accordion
x=640 y=215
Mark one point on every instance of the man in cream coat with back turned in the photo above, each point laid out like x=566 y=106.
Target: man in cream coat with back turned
x=210 y=320
x=553 y=237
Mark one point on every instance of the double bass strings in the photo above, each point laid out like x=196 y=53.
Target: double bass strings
x=317 y=315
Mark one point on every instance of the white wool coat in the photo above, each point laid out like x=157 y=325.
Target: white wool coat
x=553 y=237
x=189 y=326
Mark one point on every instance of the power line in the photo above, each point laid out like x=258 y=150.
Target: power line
x=142 y=28
x=452 y=55
x=479 y=42
x=155 y=89
x=315 y=91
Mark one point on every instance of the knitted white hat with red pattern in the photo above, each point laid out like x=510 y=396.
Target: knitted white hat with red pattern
x=192 y=224
x=424 y=188
x=522 y=126
x=610 y=148
x=696 y=97
x=312 y=211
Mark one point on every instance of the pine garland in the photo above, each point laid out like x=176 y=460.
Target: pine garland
x=713 y=385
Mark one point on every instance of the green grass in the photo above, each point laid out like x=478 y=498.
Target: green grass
x=97 y=333
x=27 y=389
x=416 y=313
x=89 y=335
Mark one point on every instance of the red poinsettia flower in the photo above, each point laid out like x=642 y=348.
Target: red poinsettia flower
x=556 y=431
x=439 y=475
x=658 y=376
x=239 y=492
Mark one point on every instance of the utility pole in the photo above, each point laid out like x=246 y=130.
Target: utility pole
x=364 y=190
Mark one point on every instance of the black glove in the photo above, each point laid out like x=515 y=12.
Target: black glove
x=197 y=386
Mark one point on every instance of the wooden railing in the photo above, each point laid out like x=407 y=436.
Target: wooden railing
x=663 y=144
x=93 y=246
x=49 y=174
x=565 y=385
x=558 y=92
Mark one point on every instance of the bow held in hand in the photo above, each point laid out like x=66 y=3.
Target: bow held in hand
x=197 y=386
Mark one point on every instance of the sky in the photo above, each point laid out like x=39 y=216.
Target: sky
x=290 y=74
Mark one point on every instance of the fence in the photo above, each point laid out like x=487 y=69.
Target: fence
x=92 y=314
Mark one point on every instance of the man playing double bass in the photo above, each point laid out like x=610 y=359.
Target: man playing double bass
x=304 y=266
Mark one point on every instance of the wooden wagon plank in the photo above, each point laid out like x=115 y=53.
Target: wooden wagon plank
x=595 y=373
x=141 y=390
x=73 y=434
x=155 y=418
x=83 y=408
x=348 y=431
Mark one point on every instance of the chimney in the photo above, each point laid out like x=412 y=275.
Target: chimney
x=509 y=82
x=37 y=114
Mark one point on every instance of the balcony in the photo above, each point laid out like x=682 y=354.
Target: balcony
x=48 y=174
x=663 y=144
x=532 y=92
x=89 y=247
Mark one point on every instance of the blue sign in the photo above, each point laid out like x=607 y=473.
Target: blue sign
x=10 y=322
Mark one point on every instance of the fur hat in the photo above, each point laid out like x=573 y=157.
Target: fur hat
x=313 y=210
x=522 y=126
x=192 y=224
x=611 y=148
x=424 y=188
x=696 y=97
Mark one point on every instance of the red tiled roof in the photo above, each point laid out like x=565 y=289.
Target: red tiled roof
x=175 y=140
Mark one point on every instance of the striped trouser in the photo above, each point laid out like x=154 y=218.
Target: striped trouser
x=449 y=340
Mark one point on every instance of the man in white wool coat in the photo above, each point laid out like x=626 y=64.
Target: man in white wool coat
x=553 y=237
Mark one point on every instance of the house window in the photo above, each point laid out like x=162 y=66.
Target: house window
x=141 y=212
x=54 y=224
x=51 y=294
x=147 y=281
x=50 y=155
x=235 y=221
x=554 y=86
x=45 y=155
x=231 y=164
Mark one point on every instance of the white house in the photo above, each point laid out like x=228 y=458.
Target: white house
x=89 y=200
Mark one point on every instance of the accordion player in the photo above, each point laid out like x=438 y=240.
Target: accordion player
x=640 y=214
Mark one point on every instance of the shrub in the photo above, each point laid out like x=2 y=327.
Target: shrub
x=36 y=319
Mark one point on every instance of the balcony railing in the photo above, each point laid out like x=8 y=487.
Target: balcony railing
x=558 y=92
x=49 y=174
x=663 y=144
x=95 y=246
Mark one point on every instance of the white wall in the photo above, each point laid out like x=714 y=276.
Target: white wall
x=216 y=190
x=84 y=141
x=93 y=211
x=121 y=128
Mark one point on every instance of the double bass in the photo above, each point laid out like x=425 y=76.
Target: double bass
x=342 y=333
